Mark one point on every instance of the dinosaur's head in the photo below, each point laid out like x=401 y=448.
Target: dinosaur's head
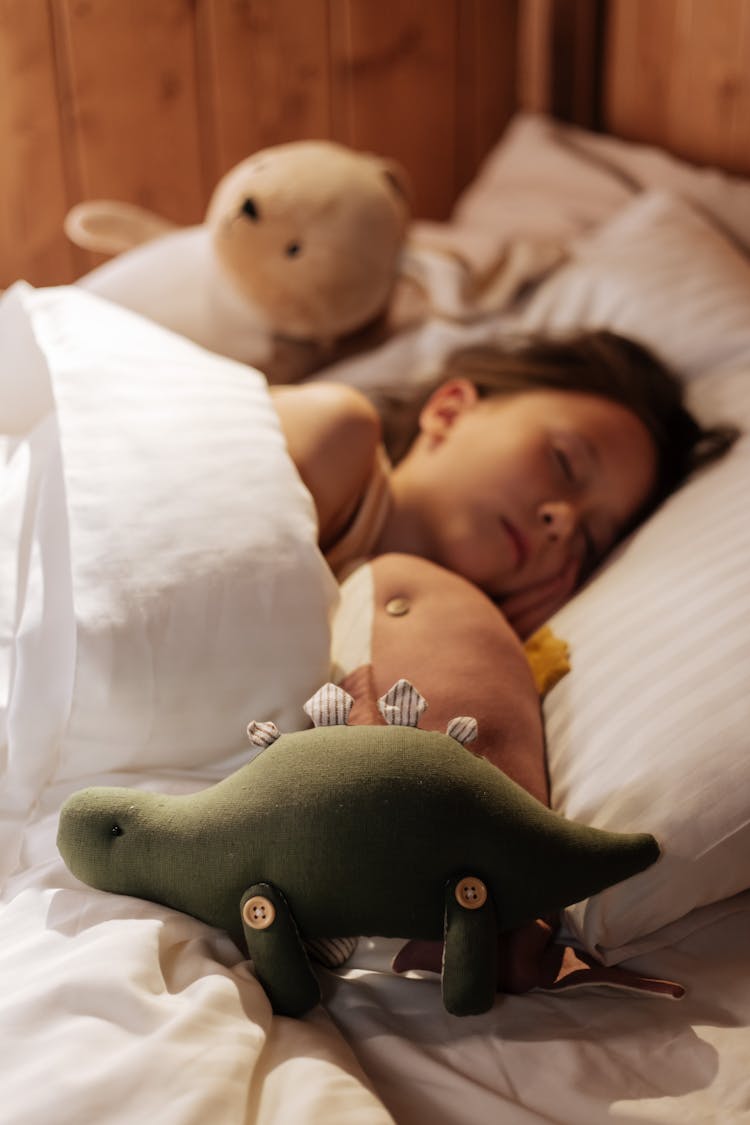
x=113 y=839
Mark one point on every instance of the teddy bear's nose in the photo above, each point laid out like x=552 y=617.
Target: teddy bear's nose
x=250 y=210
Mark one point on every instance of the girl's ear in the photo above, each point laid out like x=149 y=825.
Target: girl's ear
x=451 y=399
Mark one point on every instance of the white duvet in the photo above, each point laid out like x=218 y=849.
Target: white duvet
x=161 y=586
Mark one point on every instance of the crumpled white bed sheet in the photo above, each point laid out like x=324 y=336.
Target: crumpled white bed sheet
x=583 y=1058
x=125 y=575
x=117 y=1010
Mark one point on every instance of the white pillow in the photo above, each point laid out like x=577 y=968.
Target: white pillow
x=532 y=183
x=547 y=178
x=722 y=196
x=660 y=273
x=171 y=584
x=650 y=729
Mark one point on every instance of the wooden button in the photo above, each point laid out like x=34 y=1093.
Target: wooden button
x=471 y=893
x=397 y=607
x=259 y=912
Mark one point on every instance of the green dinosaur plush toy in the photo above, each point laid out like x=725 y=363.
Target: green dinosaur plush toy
x=383 y=830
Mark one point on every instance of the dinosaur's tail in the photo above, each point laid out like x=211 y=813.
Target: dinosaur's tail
x=568 y=862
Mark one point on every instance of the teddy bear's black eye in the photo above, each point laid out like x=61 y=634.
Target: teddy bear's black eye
x=250 y=210
x=293 y=249
x=115 y=830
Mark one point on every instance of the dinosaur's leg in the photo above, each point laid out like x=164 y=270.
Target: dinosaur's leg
x=470 y=954
x=280 y=960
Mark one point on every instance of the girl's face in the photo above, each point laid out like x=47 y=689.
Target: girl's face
x=516 y=490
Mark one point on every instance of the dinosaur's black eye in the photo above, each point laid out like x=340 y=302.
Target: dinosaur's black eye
x=293 y=249
x=249 y=210
x=115 y=830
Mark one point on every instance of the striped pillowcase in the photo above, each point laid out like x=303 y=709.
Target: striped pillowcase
x=650 y=730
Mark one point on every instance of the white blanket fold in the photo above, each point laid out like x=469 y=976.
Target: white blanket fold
x=161 y=586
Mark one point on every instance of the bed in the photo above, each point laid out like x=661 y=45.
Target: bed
x=128 y=584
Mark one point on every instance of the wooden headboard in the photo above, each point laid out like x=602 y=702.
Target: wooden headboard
x=152 y=100
x=673 y=73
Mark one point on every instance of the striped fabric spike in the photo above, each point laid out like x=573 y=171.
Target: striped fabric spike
x=331 y=952
x=402 y=705
x=463 y=728
x=330 y=706
x=262 y=734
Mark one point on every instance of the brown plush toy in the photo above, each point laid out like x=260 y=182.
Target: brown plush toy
x=300 y=251
x=434 y=624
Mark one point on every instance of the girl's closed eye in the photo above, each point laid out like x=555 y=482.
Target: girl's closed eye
x=575 y=458
x=564 y=464
x=569 y=462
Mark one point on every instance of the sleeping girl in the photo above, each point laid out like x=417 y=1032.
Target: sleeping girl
x=516 y=473
x=520 y=469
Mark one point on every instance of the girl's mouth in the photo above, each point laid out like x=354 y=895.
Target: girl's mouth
x=518 y=540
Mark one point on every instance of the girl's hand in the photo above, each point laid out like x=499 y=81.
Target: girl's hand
x=526 y=957
x=528 y=609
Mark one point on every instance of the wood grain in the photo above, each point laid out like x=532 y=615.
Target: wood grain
x=264 y=73
x=130 y=116
x=560 y=58
x=432 y=85
x=150 y=102
x=33 y=192
x=678 y=75
x=486 y=80
x=394 y=83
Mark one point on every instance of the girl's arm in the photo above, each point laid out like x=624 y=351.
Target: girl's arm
x=332 y=432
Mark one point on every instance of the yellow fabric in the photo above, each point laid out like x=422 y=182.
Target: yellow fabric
x=548 y=657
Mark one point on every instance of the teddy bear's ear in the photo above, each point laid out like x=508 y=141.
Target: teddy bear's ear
x=109 y=227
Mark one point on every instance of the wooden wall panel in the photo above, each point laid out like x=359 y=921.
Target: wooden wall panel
x=394 y=84
x=150 y=101
x=431 y=85
x=264 y=67
x=678 y=75
x=560 y=58
x=534 y=50
x=487 y=78
x=33 y=193
x=129 y=102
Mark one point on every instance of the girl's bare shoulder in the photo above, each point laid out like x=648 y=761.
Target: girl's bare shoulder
x=332 y=432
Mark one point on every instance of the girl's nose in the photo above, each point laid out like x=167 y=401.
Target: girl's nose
x=558 y=519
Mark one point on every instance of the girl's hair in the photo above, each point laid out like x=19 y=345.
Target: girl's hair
x=599 y=362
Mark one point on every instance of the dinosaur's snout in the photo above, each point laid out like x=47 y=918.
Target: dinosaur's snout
x=95 y=829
